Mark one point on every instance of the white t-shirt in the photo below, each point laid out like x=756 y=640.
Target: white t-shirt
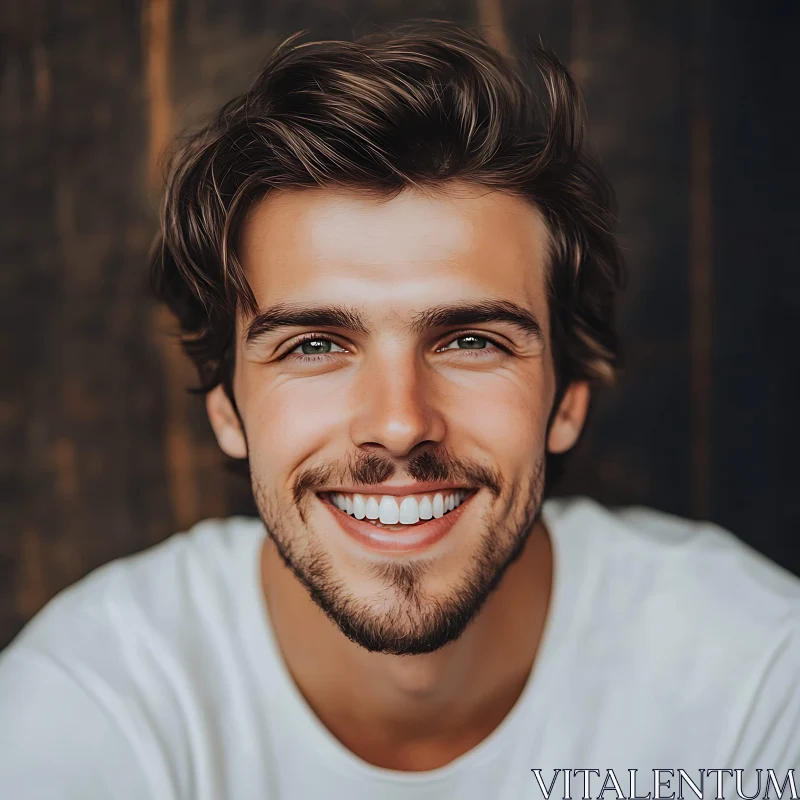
x=669 y=645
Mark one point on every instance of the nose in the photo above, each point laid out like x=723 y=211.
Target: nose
x=395 y=406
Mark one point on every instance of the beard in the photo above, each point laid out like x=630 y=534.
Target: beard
x=410 y=621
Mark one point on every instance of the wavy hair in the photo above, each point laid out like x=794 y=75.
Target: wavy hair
x=416 y=106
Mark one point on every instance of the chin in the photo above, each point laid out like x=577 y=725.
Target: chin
x=406 y=607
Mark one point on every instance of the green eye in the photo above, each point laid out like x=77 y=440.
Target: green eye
x=472 y=342
x=314 y=347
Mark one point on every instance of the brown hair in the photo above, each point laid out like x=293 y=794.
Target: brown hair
x=417 y=106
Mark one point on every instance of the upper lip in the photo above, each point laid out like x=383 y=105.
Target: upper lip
x=399 y=490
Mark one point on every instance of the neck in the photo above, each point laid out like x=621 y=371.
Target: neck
x=415 y=713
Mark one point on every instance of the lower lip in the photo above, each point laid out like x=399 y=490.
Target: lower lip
x=382 y=540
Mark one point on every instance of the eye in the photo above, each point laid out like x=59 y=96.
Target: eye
x=317 y=347
x=313 y=348
x=471 y=342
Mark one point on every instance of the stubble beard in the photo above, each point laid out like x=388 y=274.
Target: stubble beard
x=408 y=620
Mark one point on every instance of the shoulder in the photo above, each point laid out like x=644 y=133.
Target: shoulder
x=100 y=693
x=695 y=569
x=130 y=659
x=163 y=597
x=691 y=616
x=167 y=604
x=151 y=589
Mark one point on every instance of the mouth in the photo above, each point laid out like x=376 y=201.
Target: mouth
x=388 y=524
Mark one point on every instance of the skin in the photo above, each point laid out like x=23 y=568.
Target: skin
x=394 y=393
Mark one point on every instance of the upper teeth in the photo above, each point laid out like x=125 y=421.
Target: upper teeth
x=406 y=510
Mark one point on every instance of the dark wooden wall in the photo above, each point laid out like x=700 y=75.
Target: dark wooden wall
x=692 y=108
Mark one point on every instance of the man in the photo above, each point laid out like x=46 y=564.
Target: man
x=393 y=267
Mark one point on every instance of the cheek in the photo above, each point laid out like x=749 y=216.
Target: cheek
x=289 y=422
x=507 y=420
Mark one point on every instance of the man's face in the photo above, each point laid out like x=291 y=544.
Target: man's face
x=402 y=353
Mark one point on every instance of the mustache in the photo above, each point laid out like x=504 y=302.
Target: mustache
x=371 y=469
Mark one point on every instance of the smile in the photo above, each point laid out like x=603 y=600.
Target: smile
x=390 y=510
x=388 y=524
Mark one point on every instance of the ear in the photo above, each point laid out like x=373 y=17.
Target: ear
x=568 y=420
x=225 y=423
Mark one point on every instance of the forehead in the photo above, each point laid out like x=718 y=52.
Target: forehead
x=395 y=255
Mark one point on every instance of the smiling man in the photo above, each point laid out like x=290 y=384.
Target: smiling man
x=396 y=441
x=393 y=267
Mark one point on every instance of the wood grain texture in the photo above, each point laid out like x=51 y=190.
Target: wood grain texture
x=630 y=62
x=103 y=451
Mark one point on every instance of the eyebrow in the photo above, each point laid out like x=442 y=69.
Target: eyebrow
x=284 y=315
x=444 y=315
x=461 y=314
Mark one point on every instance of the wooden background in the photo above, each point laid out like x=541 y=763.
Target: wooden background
x=692 y=109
